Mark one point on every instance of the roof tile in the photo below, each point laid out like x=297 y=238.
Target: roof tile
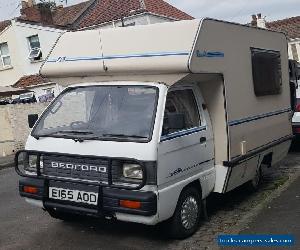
x=68 y=15
x=64 y=16
x=4 y=25
x=109 y=10
x=30 y=80
x=289 y=26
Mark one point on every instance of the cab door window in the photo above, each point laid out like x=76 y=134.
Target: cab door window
x=183 y=103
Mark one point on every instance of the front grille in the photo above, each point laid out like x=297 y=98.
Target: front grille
x=94 y=170
x=83 y=168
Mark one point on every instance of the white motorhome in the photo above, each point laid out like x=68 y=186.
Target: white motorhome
x=155 y=118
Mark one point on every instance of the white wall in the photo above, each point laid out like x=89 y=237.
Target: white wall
x=140 y=19
x=40 y=90
x=297 y=43
x=13 y=120
x=16 y=37
x=10 y=75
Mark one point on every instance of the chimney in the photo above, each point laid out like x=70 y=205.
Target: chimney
x=142 y=4
x=258 y=21
x=24 y=5
x=254 y=21
x=261 y=21
x=39 y=13
x=27 y=3
x=46 y=14
x=29 y=11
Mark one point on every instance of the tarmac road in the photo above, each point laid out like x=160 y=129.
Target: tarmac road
x=23 y=226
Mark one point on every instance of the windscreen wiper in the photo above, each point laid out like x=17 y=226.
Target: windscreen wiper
x=70 y=132
x=76 y=132
x=124 y=136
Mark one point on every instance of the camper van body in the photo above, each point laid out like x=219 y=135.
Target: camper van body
x=205 y=65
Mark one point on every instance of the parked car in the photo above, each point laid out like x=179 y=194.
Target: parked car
x=24 y=98
x=295 y=80
x=5 y=101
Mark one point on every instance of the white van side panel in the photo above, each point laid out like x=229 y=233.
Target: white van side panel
x=243 y=172
x=182 y=159
x=225 y=48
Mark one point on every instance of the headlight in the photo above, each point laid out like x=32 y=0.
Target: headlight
x=28 y=163
x=32 y=161
x=31 y=166
x=132 y=171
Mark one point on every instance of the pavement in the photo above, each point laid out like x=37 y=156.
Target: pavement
x=281 y=216
x=7 y=161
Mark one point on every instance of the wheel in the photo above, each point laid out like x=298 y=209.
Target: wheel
x=254 y=184
x=62 y=215
x=185 y=220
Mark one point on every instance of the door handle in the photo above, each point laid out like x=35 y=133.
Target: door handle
x=202 y=140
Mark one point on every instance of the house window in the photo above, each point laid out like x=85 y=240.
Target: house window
x=294 y=52
x=266 y=71
x=5 y=57
x=35 y=48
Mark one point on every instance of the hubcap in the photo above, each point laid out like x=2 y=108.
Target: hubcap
x=189 y=212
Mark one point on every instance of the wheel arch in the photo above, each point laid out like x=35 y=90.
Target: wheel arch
x=267 y=159
x=196 y=184
x=169 y=197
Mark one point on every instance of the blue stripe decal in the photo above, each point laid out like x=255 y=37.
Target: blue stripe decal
x=209 y=54
x=258 y=117
x=112 y=57
x=182 y=133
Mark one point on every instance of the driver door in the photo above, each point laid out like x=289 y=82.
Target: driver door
x=186 y=151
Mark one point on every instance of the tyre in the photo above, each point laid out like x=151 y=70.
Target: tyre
x=185 y=220
x=62 y=215
x=254 y=184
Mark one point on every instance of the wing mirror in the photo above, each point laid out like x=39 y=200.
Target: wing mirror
x=32 y=118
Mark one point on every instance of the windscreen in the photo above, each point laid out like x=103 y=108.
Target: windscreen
x=101 y=113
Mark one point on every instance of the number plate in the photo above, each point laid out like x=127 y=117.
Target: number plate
x=63 y=194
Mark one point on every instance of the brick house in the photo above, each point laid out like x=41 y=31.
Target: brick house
x=105 y=13
x=26 y=40
x=23 y=48
x=289 y=26
x=109 y=13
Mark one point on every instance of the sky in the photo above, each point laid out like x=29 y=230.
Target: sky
x=229 y=10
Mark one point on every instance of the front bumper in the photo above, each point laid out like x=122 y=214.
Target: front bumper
x=108 y=199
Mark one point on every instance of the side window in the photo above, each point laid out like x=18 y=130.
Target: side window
x=266 y=71
x=35 y=53
x=4 y=56
x=181 y=102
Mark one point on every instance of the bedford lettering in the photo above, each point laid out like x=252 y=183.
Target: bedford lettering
x=78 y=167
